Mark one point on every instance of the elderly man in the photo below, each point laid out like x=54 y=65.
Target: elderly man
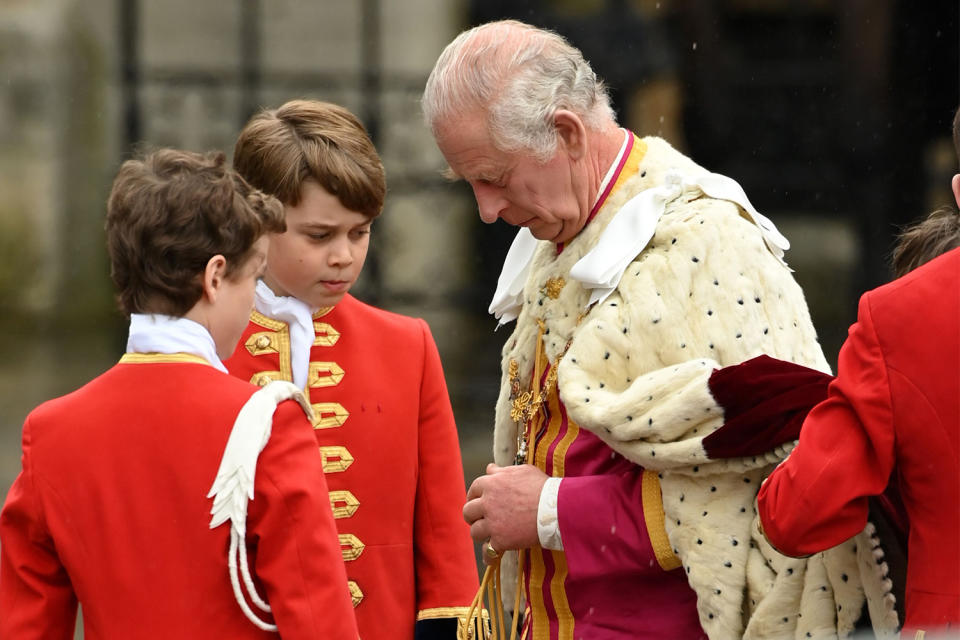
x=635 y=274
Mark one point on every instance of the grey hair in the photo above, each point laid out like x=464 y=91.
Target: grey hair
x=520 y=75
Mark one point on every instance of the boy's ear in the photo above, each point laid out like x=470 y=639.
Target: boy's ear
x=956 y=188
x=213 y=276
x=572 y=132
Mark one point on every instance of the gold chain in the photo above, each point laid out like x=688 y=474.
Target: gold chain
x=526 y=404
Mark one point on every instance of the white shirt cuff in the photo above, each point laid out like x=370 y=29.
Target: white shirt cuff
x=548 y=523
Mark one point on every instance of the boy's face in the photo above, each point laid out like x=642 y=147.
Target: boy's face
x=235 y=300
x=320 y=255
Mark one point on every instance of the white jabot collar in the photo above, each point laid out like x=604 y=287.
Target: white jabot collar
x=156 y=333
x=299 y=316
x=623 y=239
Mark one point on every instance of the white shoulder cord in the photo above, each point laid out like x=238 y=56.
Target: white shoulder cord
x=233 y=486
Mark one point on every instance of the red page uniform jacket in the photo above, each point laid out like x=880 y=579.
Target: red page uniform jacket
x=893 y=409
x=392 y=460
x=111 y=509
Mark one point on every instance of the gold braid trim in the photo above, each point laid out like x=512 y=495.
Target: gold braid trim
x=148 y=358
x=490 y=622
x=654 y=517
x=444 y=612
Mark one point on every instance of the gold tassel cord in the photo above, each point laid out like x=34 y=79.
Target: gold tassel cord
x=526 y=406
x=491 y=590
x=473 y=624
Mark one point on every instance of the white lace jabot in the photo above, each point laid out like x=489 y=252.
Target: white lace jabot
x=299 y=317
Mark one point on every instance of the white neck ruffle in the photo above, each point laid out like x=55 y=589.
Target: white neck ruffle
x=299 y=317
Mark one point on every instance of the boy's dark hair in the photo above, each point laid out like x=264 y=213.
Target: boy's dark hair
x=168 y=213
x=936 y=234
x=956 y=134
x=279 y=149
x=920 y=243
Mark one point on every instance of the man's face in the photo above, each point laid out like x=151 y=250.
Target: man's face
x=320 y=255
x=515 y=186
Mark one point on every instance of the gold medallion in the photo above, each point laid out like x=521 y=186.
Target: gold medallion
x=553 y=287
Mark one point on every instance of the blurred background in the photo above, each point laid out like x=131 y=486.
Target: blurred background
x=833 y=114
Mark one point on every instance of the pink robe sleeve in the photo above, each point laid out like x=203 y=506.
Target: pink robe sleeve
x=604 y=527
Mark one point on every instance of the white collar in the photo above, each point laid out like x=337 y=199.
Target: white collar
x=299 y=317
x=157 y=333
x=508 y=297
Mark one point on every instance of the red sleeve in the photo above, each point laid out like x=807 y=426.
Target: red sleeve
x=817 y=498
x=36 y=596
x=446 y=569
x=615 y=538
x=298 y=558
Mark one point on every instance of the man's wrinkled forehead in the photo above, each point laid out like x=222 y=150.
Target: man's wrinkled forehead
x=468 y=150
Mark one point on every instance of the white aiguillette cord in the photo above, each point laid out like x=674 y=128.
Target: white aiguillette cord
x=233 y=486
x=627 y=234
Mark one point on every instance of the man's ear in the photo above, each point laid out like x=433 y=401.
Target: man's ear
x=572 y=132
x=213 y=276
x=956 y=188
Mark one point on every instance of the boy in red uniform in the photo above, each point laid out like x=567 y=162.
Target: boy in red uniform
x=383 y=419
x=892 y=415
x=111 y=506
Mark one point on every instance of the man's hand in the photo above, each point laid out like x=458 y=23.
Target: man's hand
x=502 y=507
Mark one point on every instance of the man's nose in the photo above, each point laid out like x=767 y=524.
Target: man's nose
x=490 y=202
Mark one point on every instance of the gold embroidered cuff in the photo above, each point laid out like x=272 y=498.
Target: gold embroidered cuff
x=464 y=629
x=443 y=612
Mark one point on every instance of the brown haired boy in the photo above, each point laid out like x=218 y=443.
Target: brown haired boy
x=111 y=506
x=890 y=416
x=936 y=234
x=923 y=241
x=383 y=419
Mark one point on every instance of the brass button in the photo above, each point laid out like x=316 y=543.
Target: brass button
x=263 y=342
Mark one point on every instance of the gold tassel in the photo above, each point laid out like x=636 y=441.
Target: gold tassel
x=490 y=587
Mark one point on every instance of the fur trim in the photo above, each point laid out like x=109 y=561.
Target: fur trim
x=705 y=293
x=877 y=585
